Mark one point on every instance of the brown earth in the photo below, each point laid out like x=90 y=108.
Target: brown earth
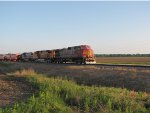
x=124 y=60
x=13 y=89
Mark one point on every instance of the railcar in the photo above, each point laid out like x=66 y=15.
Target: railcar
x=26 y=56
x=10 y=57
x=2 y=57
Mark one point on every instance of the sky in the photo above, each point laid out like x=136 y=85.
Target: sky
x=108 y=27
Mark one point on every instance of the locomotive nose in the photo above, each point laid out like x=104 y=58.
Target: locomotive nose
x=87 y=53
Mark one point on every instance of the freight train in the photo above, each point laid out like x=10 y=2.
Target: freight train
x=82 y=54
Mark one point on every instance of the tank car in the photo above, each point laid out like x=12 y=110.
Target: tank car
x=10 y=57
x=2 y=57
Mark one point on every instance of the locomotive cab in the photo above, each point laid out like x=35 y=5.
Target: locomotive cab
x=87 y=54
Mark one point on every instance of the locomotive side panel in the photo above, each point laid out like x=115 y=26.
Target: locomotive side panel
x=43 y=54
x=35 y=56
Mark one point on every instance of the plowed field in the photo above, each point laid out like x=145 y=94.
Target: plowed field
x=13 y=89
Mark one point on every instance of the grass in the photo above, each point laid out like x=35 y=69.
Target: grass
x=4 y=64
x=124 y=60
x=57 y=95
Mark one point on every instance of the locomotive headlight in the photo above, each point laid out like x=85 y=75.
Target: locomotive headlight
x=88 y=53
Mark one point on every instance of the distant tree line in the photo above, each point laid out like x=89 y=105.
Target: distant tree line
x=122 y=55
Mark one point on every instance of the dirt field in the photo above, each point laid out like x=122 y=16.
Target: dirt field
x=13 y=89
x=124 y=60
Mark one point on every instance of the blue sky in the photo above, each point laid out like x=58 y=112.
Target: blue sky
x=109 y=27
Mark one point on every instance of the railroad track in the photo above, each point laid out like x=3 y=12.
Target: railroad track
x=111 y=65
x=101 y=64
x=122 y=65
x=147 y=67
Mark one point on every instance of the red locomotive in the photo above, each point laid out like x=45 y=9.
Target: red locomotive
x=79 y=54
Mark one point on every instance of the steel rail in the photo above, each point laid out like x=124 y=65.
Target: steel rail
x=122 y=65
x=98 y=64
